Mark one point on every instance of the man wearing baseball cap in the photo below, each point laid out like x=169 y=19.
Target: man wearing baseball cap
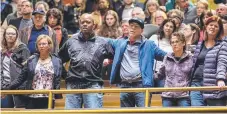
x=133 y=63
x=30 y=34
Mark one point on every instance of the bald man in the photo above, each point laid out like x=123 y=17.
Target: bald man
x=221 y=10
x=86 y=53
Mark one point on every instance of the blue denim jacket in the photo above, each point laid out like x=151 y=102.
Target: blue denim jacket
x=148 y=51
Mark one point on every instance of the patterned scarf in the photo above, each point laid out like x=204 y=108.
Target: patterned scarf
x=58 y=33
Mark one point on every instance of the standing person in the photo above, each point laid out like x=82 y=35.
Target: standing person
x=176 y=70
x=14 y=15
x=201 y=69
x=42 y=71
x=132 y=64
x=55 y=21
x=86 y=53
x=110 y=29
x=30 y=34
x=26 y=19
x=13 y=55
x=214 y=73
x=162 y=40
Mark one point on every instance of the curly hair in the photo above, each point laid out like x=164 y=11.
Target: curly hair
x=57 y=14
x=181 y=37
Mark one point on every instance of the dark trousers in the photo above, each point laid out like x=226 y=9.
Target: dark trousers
x=38 y=103
x=20 y=101
x=7 y=102
x=217 y=102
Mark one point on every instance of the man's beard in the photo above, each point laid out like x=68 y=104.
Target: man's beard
x=25 y=14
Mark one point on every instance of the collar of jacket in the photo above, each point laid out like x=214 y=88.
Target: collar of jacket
x=91 y=37
x=171 y=56
x=35 y=57
x=45 y=26
x=142 y=39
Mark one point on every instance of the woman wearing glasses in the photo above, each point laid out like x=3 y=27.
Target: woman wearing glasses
x=13 y=54
x=176 y=71
x=42 y=71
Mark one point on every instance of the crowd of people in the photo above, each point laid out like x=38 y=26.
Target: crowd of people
x=158 y=43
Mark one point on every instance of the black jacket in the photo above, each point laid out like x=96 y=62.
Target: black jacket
x=86 y=57
x=6 y=11
x=15 y=22
x=28 y=73
x=18 y=56
x=220 y=1
x=64 y=37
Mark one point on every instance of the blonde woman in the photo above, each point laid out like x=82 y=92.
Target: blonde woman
x=150 y=7
x=158 y=17
x=13 y=54
x=42 y=72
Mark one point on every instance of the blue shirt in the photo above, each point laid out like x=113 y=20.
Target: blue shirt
x=130 y=62
x=34 y=35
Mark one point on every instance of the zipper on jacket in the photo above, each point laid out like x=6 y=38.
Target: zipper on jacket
x=84 y=67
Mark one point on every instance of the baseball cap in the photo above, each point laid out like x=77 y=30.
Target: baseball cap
x=139 y=21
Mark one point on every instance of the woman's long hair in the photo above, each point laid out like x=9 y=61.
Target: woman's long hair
x=147 y=13
x=161 y=28
x=57 y=14
x=196 y=35
x=113 y=31
x=4 y=42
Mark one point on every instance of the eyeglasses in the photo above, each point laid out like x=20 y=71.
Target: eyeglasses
x=175 y=42
x=42 y=44
x=10 y=33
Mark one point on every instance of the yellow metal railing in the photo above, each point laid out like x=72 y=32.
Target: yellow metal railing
x=116 y=90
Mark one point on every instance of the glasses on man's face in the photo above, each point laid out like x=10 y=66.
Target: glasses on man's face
x=42 y=44
x=11 y=33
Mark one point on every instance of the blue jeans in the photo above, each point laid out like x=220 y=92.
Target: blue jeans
x=7 y=102
x=90 y=100
x=132 y=99
x=197 y=96
x=168 y=102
